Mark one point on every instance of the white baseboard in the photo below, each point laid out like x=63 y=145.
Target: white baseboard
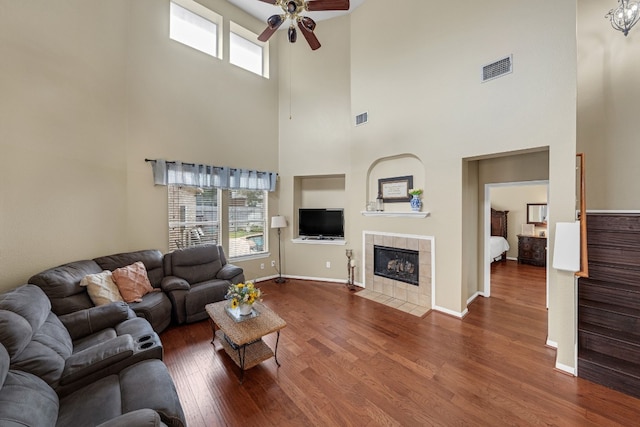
x=473 y=297
x=457 y=314
x=264 y=279
x=565 y=368
x=316 y=279
x=552 y=344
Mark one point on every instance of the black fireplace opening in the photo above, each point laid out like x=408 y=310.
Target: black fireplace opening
x=396 y=264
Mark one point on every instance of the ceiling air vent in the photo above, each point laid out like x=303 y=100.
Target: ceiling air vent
x=497 y=69
x=362 y=118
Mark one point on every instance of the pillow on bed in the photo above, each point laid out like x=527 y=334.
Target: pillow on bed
x=101 y=288
x=133 y=282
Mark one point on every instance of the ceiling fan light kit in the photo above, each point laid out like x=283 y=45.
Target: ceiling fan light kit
x=293 y=10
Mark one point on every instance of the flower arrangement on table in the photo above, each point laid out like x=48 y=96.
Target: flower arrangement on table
x=415 y=191
x=243 y=294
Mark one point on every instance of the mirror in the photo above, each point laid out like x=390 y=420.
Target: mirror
x=537 y=213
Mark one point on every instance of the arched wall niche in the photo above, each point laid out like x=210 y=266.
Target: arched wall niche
x=406 y=164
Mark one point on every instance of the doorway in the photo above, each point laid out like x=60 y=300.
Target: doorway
x=514 y=197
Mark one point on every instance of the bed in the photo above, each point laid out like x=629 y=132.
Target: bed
x=498 y=244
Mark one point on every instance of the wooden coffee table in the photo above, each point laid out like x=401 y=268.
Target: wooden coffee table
x=241 y=338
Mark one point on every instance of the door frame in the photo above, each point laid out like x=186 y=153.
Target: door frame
x=486 y=264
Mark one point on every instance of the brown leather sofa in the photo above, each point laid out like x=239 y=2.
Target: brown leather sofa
x=89 y=367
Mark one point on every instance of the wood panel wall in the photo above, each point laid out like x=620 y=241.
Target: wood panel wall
x=609 y=304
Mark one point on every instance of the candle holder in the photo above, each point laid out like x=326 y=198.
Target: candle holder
x=351 y=265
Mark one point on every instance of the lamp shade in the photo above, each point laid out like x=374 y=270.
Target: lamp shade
x=278 y=222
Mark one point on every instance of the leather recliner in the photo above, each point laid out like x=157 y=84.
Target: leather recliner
x=195 y=277
x=114 y=400
x=76 y=349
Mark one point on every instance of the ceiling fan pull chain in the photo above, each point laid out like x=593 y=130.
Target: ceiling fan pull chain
x=290 y=78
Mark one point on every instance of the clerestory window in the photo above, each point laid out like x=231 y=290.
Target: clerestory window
x=194 y=25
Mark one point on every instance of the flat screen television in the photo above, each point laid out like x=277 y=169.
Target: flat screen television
x=321 y=223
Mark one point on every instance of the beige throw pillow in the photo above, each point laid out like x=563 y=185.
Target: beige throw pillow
x=101 y=288
x=133 y=282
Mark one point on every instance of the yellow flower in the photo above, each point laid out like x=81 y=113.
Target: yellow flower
x=242 y=293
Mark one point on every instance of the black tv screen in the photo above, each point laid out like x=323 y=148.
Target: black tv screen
x=323 y=223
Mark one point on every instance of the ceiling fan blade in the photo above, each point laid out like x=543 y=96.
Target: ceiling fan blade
x=309 y=35
x=315 y=5
x=273 y=23
x=267 y=33
x=273 y=2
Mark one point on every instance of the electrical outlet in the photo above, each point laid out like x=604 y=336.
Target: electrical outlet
x=328 y=264
x=273 y=263
x=262 y=266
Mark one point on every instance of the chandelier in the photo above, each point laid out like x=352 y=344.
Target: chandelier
x=625 y=16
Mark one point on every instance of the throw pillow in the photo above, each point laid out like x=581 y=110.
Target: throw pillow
x=101 y=288
x=132 y=281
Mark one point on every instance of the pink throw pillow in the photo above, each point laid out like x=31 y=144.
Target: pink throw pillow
x=132 y=281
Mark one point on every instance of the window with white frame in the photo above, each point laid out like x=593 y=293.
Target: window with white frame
x=194 y=217
x=194 y=25
x=247 y=220
x=247 y=52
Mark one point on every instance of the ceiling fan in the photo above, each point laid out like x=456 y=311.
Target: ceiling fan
x=292 y=10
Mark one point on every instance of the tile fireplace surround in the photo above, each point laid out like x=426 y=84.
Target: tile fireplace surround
x=412 y=299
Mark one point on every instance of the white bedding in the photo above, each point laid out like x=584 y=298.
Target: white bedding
x=497 y=245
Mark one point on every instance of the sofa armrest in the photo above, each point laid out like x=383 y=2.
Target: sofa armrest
x=228 y=272
x=91 y=320
x=173 y=283
x=139 y=418
x=97 y=358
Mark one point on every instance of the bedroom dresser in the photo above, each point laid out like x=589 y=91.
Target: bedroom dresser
x=532 y=250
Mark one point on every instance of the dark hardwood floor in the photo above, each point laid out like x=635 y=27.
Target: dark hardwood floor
x=519 y=284
x=348 y=361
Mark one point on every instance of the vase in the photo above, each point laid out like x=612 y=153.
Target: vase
x=416 y=203
x=244 y=309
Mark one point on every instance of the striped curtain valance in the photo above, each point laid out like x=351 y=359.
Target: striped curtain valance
x=199 y=175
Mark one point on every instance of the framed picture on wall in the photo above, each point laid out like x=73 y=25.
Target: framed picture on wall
x=395 y=189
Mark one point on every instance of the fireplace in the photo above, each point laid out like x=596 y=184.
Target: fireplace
x=397 y=264
x=398 y=269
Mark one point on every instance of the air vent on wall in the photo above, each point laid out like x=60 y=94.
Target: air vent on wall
x=362 y=118
x=497 y=69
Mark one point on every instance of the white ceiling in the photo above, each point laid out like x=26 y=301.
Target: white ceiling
x=262 y=10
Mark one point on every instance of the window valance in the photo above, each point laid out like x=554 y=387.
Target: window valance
x=199 y=175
